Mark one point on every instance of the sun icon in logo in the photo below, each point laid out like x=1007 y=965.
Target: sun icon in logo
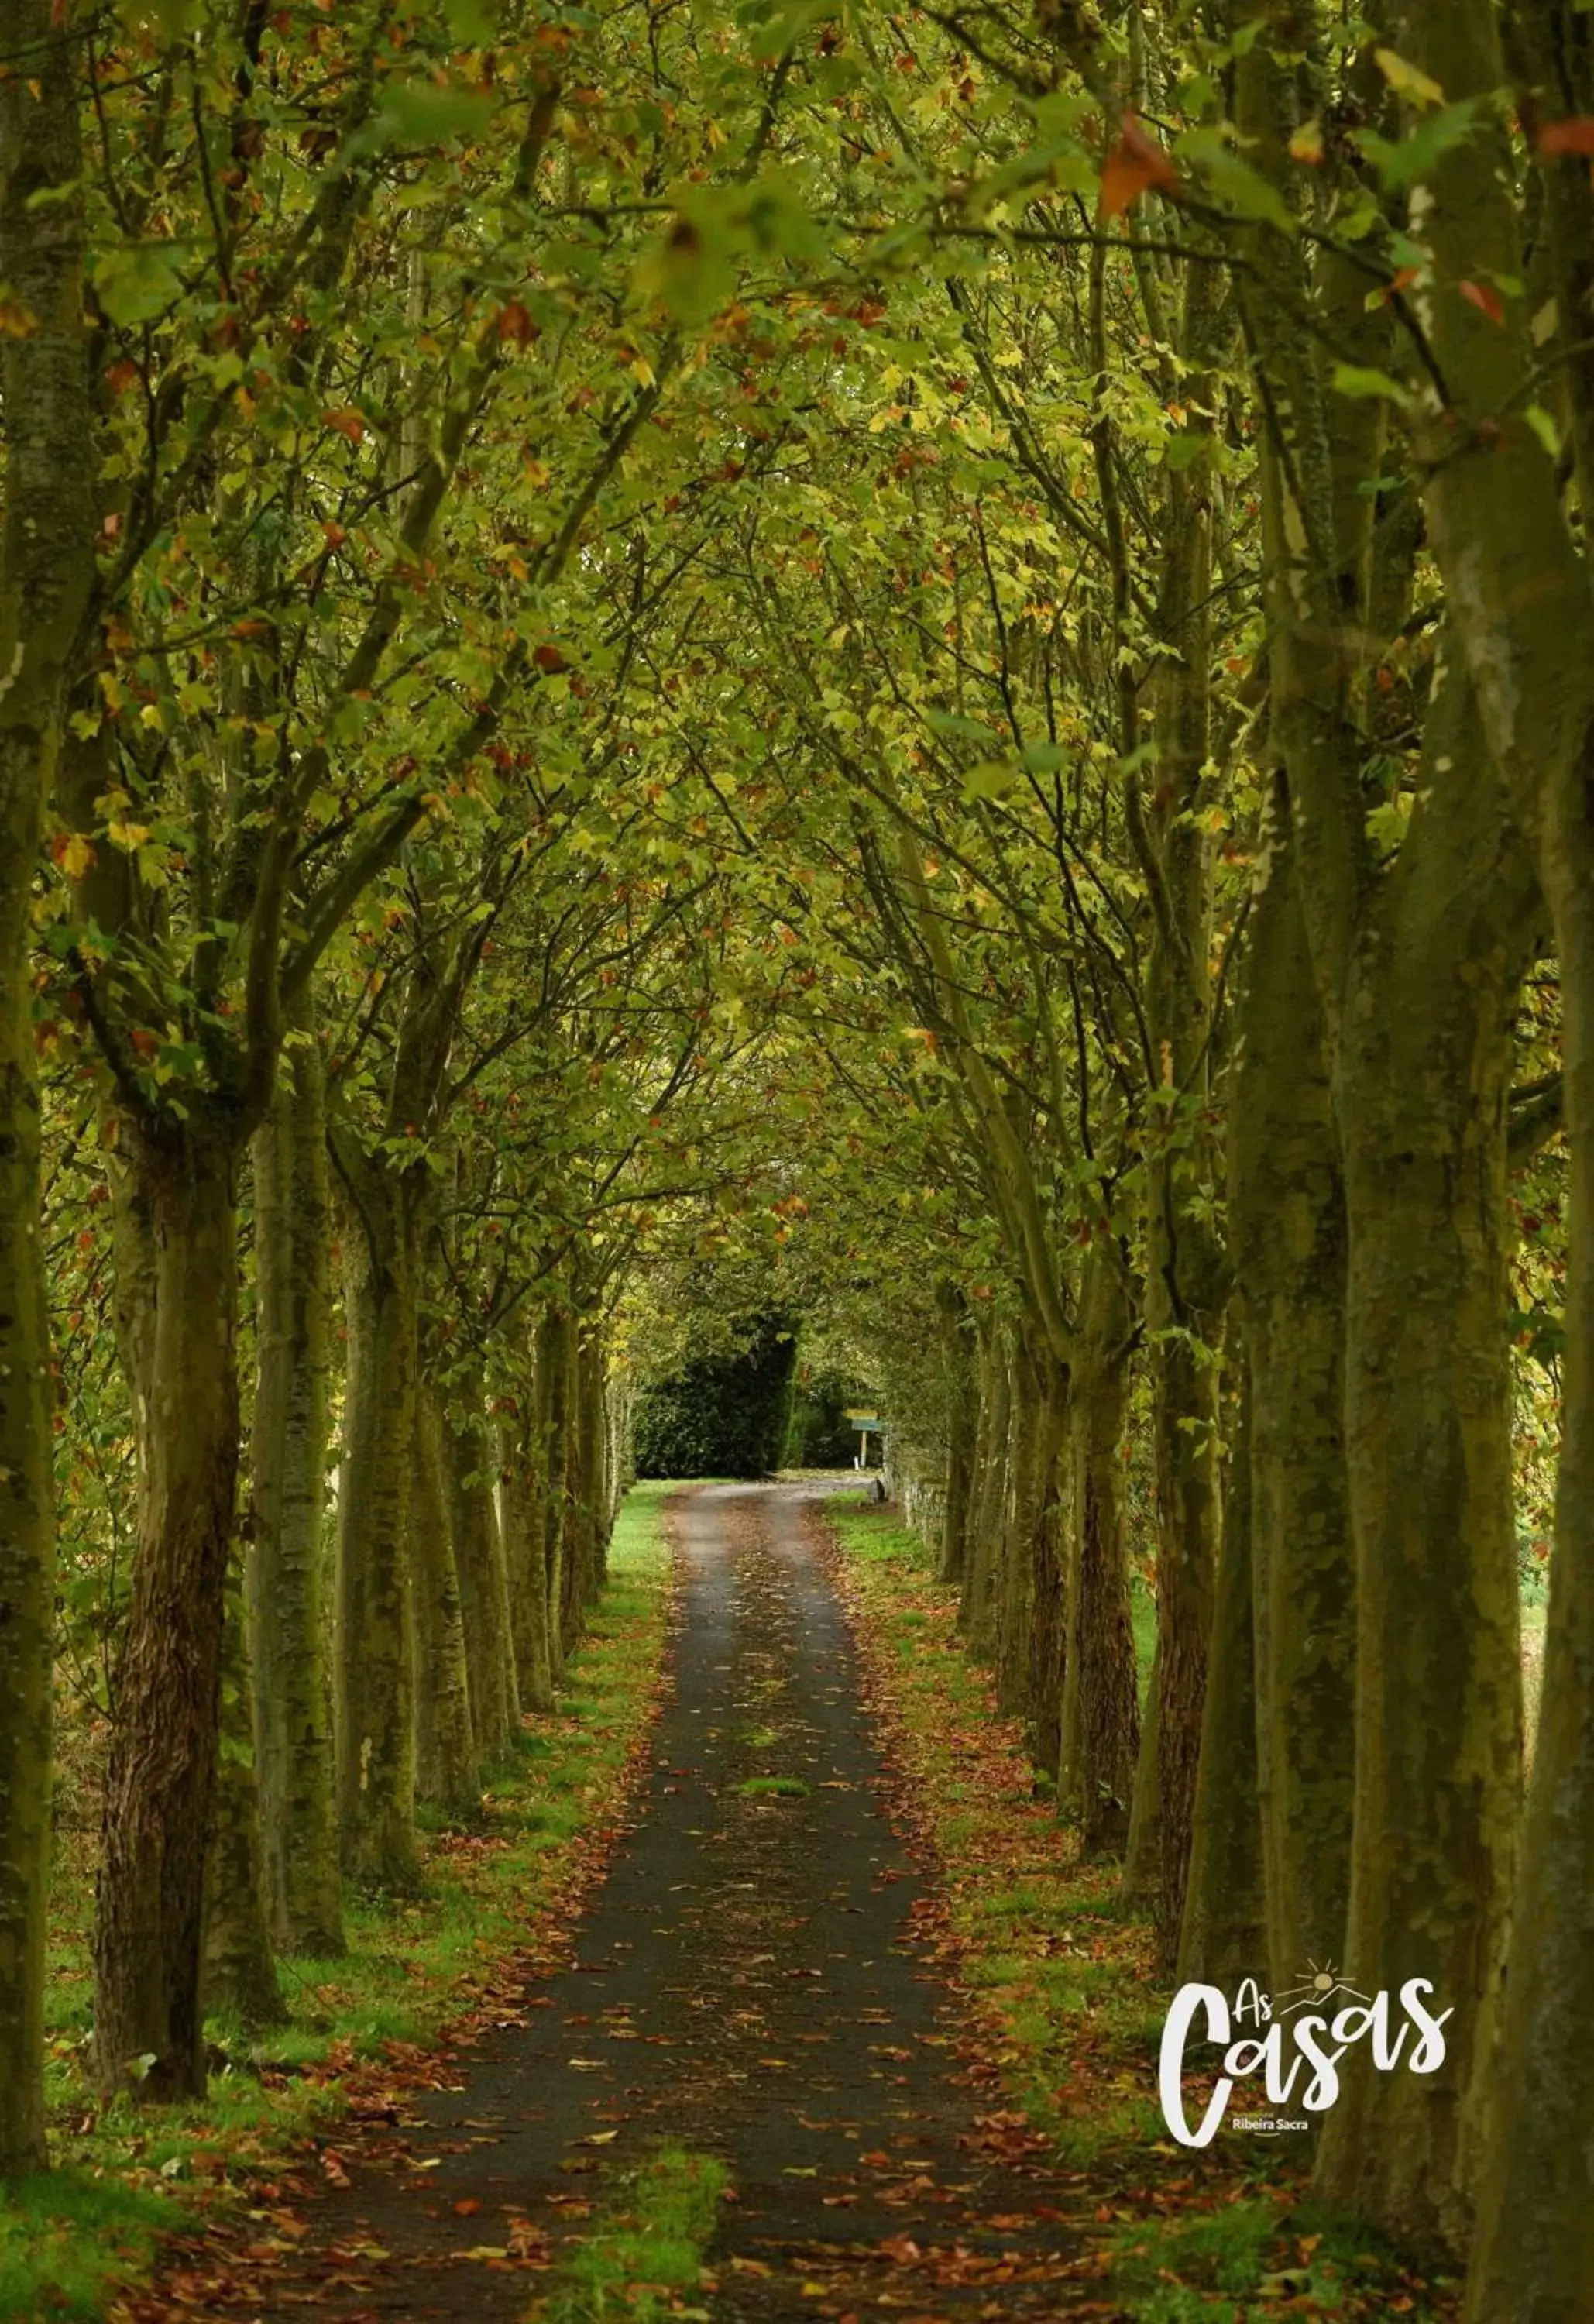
x=1318 y=1984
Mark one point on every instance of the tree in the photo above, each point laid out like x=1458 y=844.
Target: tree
x=46 y=575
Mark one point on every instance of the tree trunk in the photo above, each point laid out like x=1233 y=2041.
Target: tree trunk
x=1101 y=1716
x=1015 y=1573
x=240 y=1971
x=976 y=1613
x=1533 y=2258
x=375 y=1626
x=593 y=1537
x=961 y=1433
x=483 y=1579
x=1184 y=1403
x=522 y=1516
x=1511 y=543
x=1286 y=1218
x=1223 y=1939
x=445 y=1766
x=1048 y=1559
x=166 y=1689
x=554 y=1367
x=1428 y=1443
x=285 y=1571
x=46 y=570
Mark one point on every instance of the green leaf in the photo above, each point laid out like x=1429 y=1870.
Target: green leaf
x=419 y=112
x=1241 y=188
x=993 y=779
x=1361 y=380
x=1543 y=426
x=1402 y=164
x=137 y=281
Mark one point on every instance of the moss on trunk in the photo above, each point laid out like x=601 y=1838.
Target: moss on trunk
x=285 y=1571
x=447 y=1772
x=375 y=1660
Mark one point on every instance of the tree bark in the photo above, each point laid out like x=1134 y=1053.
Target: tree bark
x=1048 y=1560
x=166 y=1703
x=1533 y=2257
x=589 y=1490
x=554 y=1369
x=285 y=1569
x=1422 y=1102
x=1015 y=1570
x=1100 y=1712
x=240 y=1971
x=1286 y=1224
x=483 y=1579
x=976 y=1608
x=376 y=1657
x=446 y=1769
x=1223 y=1939
x=1516 y=577
x=522 y=1517
x=46 y=570
x=1184 y=1407
x=960 y=1432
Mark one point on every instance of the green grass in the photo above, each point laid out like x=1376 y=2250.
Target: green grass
x=773 y=1787
x=646 y=2255
x=1212 y=2267
x=411 y=1967
x=64 y=2238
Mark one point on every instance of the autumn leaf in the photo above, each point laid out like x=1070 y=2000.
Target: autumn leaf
x=73 y=852
x=1486 y=299
x=1574 y=136
x=346 y=421
x=1136 y=163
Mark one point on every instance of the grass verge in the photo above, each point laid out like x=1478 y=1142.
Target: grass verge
x=498 y=1891
x=644 y=2260
x=1063 y=1977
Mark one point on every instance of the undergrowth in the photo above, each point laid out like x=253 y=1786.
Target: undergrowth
x=125 y=2175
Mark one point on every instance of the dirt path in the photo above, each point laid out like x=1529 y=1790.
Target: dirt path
x=746 y=1985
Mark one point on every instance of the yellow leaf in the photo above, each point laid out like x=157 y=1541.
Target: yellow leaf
x=128 y=835
x=1407 y=81
x=642 y=370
